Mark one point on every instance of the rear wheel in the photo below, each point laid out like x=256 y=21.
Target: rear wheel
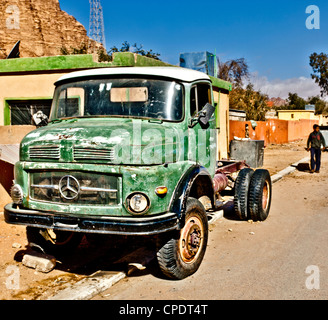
x=53 y=241
x=241 y=193
x=179 y=255
x=260 y=194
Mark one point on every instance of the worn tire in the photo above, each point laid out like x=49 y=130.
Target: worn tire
x=53 y=241
x=242 y=193
x=180 y=254
x=260 y=194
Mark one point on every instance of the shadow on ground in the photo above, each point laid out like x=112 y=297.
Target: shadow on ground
x=98 y=253
x=304 y=167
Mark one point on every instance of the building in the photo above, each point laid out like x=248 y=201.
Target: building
x=238 y=115
x=27 y=84
x=272 y=114
x=298 y=115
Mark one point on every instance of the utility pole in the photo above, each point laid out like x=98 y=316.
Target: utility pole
x=97 y=27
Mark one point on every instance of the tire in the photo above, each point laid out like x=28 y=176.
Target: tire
x=180 y=254
x=260 y=194
x=242 y=193
x=53 y=241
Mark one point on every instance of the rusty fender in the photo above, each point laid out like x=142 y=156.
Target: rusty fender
x=196 y=182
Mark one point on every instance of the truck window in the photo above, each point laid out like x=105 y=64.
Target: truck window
x=200 y=95
x=204 y=95
x=135 y=98
x=71 y=102
x=193 y=101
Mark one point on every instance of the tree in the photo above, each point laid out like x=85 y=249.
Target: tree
x=104 y=56
x=234 y=71
x=320 y=105
x=126 y=47
x=251 y=101
x=319 y=64
x=294 y=102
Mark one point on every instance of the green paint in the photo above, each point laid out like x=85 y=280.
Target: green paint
x=217 y=111
x=6 y=113
x=47 y=63
x=73 y=62
x=219 y=83
x=86 y=61
x=163 y=156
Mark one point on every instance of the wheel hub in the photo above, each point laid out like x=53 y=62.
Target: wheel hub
x=195 y=239
x=191 y=240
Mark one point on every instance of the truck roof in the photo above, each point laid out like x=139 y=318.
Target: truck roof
x=182 y=74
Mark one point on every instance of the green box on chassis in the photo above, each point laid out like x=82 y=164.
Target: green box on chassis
x=127 y=151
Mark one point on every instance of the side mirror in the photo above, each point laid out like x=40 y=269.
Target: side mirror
x=203 y=117
x=40 y=119
x=206 y=114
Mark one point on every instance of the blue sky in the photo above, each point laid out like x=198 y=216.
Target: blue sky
x=270 y=35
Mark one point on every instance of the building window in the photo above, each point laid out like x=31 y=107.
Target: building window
x=21 y=112
x=292 y=115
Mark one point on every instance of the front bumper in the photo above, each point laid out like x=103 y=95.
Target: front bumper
x=89 y=224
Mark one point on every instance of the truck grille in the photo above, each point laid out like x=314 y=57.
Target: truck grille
x=44 y=152
x=53 y=152
x=81 y=153
x=75 y=188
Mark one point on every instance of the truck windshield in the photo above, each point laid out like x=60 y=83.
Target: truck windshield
x=137 y=98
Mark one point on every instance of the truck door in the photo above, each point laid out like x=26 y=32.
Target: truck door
x=202 y=142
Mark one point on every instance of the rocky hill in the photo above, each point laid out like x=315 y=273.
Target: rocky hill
x=41 y=26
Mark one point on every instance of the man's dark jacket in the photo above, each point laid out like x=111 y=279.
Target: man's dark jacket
x=316 y=139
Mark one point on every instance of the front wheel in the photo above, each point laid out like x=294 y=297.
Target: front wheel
x=181 y=254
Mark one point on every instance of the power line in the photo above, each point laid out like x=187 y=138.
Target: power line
x=97 y=26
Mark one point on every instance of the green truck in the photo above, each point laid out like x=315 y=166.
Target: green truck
x=133 y=152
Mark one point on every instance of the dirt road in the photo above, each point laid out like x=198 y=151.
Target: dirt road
x=244 y=260
x=282 y=258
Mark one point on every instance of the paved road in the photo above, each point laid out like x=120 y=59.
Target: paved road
x=284 y=257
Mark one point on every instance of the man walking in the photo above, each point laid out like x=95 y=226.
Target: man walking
x=316 y=139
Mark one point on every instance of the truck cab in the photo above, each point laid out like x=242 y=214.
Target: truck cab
x=126 y=151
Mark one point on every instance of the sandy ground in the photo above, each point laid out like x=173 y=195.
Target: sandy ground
x=36 y=285
x=278 y=157
x=283 y=258
x=271 y=260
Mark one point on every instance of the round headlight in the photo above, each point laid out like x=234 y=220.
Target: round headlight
x=138 y=203
x=17 y=194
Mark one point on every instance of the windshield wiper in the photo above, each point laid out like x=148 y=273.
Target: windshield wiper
x=56 y=121
x=61 y=120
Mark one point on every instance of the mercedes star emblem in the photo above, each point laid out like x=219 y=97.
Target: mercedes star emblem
x=69 y=187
